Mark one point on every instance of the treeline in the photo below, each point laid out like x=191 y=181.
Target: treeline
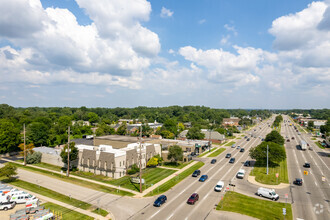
x=277 y=121
x=323 y=114
x=48 y=126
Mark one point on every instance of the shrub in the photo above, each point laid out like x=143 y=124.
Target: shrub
x=134 y=169
x=33 y=158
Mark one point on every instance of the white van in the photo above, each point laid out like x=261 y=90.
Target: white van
x=268 y=193
x=219 y=186
x=21 y=198
x=240 y=174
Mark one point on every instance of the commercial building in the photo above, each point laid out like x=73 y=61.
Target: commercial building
x=232 y=121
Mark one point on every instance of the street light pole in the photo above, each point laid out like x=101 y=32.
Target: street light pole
x=24 y=145
x=68 y=168
x=140 y=159
x=267 y=159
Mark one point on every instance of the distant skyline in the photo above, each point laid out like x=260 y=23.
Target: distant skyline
x=248 y=54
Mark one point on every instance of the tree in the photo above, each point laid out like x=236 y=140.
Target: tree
x=122 y=129
x=104 y=129
x=73 y=153
x=8 y=171
x=28 y=147
x=195 y=133
x=93 y=117
x=311 y=124
x=37 y=133
x=276 y=153
x=9 y=136
x=275 y=137
x=33 y=158
x=175 y=153
x=152 y=162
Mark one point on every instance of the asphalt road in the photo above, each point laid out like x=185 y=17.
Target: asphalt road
x=311 y=200
x=176 y=206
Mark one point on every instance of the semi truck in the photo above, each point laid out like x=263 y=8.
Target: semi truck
x=303 y=145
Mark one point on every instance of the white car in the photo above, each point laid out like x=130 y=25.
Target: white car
x=240 y=174
x=219 y=186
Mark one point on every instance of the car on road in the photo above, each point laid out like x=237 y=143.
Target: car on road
x=307 y=165
x=247 y=163
x=268 y=193
x=288 y=140
x=240 y=174
x=242 y=150
x=7 y=205
x=203 y=178
x=248 y=139
x=160 y=200
x=213 y=161
x=238 y=147
x=232 y=160
x=196 y=173
x=245 y=137
x=233 y=146
x=298 y=181
x=228 y=155
x=219 y=186
x=193 y=198
x=292 y=138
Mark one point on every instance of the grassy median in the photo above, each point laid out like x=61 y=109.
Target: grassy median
x=64 y=213
x=260 y=172
x=217 y=152
x=258 y=208
x=206 y=152
x=230 y=143
x=175 y=180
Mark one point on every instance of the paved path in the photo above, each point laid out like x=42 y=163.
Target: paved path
x=214 y=214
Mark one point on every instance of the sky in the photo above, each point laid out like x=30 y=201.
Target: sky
x=217 y=53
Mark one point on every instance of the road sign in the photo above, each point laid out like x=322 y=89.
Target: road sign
x=286 y=196
x=305 y=172
x=277 y=175
x=284 y=211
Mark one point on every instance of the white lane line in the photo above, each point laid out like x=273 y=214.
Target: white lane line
x=170 y=216
x=155 y=214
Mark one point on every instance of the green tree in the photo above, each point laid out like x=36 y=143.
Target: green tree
x=175 y=153
x=311 y=124
x=104 y=129
x=276 y=153
x=37 y=133
x=152 y=162
x=275 y=137
x=8 y=171
x=73 y=153
x=93 y=117
x=195 y=133
x=33 y=158
x=122 y=129
x=9 y=136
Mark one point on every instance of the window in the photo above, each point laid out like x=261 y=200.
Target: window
x=120 y=163
x=123 y=162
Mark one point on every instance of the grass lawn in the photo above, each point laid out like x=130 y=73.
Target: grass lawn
x=319 y=145
x=175 y=180
x=230 y=143
x=150 y=175
x=206 y=152
x=49 y=193
x=258 y=208
x=176 y=165
x=76 y=181
x=66 y=214
x=260 y=171
x=217 y=152
x=101 y=212
x=313 y=138
x=48 y=166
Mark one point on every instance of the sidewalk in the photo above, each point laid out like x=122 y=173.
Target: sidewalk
x=145 y=192
x=251 y=179
x=76 y=177
x=85 y=212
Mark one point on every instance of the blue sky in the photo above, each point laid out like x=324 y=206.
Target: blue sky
x=222 y=54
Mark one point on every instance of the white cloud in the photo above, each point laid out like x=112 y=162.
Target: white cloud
x=225 y=40
x=171 y=51
x=230 y=28
x=202 y=21
x=165 y=13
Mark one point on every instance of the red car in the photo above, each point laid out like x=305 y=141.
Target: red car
x=193 y=198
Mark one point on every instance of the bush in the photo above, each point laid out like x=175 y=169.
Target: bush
x=33 y=158
x=134 y=169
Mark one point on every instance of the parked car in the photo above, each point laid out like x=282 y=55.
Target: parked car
x=247 y=163
x=193 y=198
x=232 y=160
x=307 y=165
x=268 y=193
x=242 y=150
x=196 y=173
x=203 y=178
x=213 y=161
x=219 y=186
x=160 y=200
x=298 y=181
x=228 y=155
x=7 y=205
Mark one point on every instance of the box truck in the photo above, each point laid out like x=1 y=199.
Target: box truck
x=303 y=145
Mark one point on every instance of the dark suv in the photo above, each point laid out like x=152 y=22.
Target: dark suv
x=228 y=155
x=213 y=161
x=160 y=200
x=298 y=182
x=307 y=165
x=196 y=173
x=242 y=150
x=232 y=160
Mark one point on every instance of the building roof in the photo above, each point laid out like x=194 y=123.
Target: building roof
x=47 y=150
x=214 y=134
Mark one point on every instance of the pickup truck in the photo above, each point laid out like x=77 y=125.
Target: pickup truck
x=7 y=205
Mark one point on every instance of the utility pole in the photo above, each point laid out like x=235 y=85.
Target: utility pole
x=267 y=159
x=210 y=140
x=68 y=168
x=140 y=159
x=24 y=146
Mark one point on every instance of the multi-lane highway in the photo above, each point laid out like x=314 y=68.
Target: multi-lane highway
x=176 y=206
x=311 y=200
